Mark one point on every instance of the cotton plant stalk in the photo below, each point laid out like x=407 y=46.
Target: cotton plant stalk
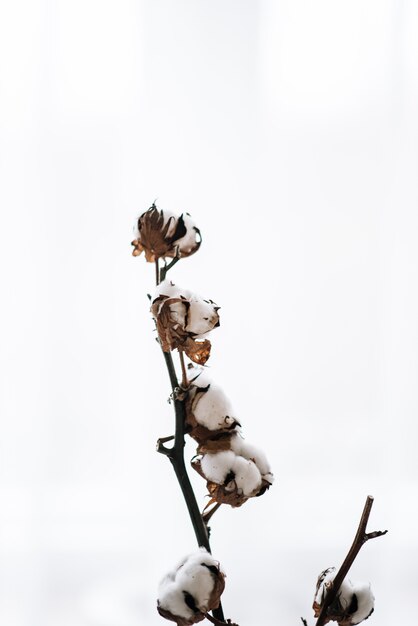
x=234 y=470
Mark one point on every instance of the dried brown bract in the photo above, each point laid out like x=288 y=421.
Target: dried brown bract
x=162 y=234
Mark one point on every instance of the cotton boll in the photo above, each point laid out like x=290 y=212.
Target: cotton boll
x=162 y=234
x=180 y=316
x=247 y=476
x=353 y=604
x=365 y=602
x=213 y=408
x=217 y=466
x=202 y=316
x=192 y=589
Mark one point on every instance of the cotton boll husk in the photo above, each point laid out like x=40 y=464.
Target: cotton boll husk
x=365 y=602
x=247 y=476
x=217 y=466
x=167 y=215
x=249 y=451
x=171 y=217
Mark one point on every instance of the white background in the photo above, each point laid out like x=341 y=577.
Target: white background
x=289 y=130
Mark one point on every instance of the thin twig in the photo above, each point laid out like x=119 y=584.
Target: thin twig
x=207 y=516
x=166 y=268
x=359 y=540
x=304 y=622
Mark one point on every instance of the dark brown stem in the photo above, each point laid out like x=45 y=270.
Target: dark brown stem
x=157 y=272
x=304 y=622
x=359 y=540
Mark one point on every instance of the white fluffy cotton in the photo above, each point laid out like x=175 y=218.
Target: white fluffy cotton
x=365 y=601
x=202 y=316
x=217 y=465
x=192 y=576
x=168 y=288
x=188 y=241
x=247 y=475
x=211 y=408
x=249 y=451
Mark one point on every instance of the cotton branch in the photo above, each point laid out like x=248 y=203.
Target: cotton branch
x=359 y=540
x=176 y=455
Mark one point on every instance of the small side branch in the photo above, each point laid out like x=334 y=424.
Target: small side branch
x=359 y=540
x=161 y=448
x=218 y=622
x=166 y=268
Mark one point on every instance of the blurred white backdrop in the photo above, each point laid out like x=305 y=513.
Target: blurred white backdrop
x=289 y=130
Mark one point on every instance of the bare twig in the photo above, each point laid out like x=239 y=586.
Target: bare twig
x=304 y=622
x=359 y=540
